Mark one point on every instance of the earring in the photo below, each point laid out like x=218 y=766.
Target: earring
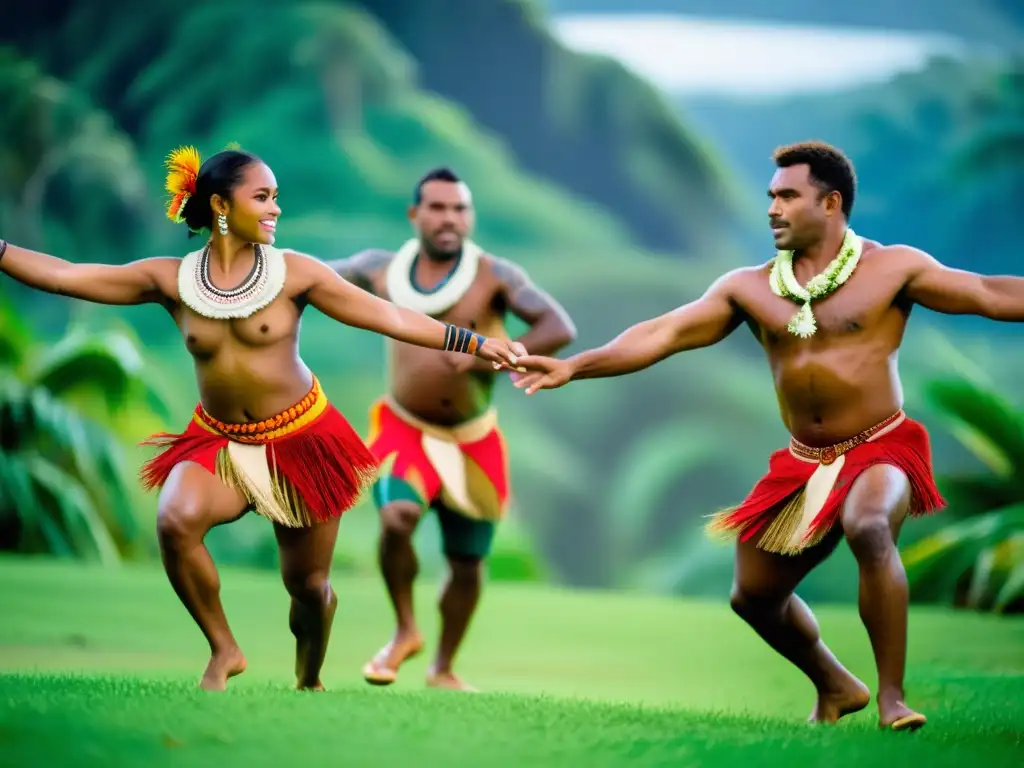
x=222 y=224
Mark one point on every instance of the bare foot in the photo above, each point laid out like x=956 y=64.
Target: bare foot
x=223 y=665
x=895 y=715
x=382 y=669
x=448 y=681
x=850 y=696
x=316 y=687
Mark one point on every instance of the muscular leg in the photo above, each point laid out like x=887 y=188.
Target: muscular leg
x=305 y=567
x=872 y=517
x=191 y=503
x=467 y=542
x=763 y=596
x=399 y=566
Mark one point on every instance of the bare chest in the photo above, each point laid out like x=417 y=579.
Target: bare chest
x=479 y=309
x=858 y=309
x=205 y=338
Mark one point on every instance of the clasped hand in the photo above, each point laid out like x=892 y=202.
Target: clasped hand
x=536 y=372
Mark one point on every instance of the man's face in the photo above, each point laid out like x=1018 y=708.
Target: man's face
x=798 y=213
x=444 y=218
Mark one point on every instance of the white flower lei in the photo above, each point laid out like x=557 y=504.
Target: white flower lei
x=783 y=282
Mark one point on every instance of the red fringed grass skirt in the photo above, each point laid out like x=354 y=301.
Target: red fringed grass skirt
x=795 y=505
x=303 y=466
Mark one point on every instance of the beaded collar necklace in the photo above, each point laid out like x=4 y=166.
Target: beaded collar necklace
x=262 y=285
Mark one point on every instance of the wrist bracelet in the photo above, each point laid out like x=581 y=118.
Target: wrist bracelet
x=461 y=340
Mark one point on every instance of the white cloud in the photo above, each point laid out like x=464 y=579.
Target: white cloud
x=684 y=55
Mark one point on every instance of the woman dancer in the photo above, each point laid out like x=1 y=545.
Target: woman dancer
x=263 y=436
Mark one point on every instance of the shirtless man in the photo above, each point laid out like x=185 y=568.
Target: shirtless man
x=264 y=437
x=855 y=459
x=436 y=427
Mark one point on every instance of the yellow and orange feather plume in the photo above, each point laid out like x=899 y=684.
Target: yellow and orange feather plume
x=182 y=172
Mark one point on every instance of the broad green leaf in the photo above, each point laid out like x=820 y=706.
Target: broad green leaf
x=981 y=578
x=79 y=517
x=106 y=365
x=18 y=493
x=983 y=421
x=1012 y=589
x=935 y=564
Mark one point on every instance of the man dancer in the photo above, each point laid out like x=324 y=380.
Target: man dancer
x=855 y=458
x=436 y=426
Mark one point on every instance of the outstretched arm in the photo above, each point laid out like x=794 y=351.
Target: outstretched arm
x=359 y=268
x=700 y=323
x=138 y=282
x=349 y=304
x=550 y=325
x=956 y=292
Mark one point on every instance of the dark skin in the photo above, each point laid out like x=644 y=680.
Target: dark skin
x=247 y=370
x=830 y=387
x=444 y=389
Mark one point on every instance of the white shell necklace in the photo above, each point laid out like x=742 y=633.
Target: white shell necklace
x=262 y=285
x=403 y=292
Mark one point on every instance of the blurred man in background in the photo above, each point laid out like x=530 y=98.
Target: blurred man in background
x=436 y=429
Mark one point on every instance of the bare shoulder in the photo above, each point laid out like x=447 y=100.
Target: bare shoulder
x=301 y=261
x=162 y=265
x=162 y=270
x=371 y=260
x=304 y=271
x=506 y=271
x=739 y=281
x=364 y=267
x=903 y=259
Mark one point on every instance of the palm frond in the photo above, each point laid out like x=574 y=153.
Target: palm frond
x=103 y=474
x=981 y=577
x=970 y=495
x=937 y=563
x=41 y=424
x=985 y=423
x=18 y=495
x=1013 y=587
x=75 y=511
x=105 y=364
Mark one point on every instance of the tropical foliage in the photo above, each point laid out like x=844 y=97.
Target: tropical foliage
x=63 y=486
x=976 y=560
x=572 y=160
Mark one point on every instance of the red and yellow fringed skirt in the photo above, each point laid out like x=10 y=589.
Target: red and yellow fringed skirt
x=799 y=500
x=465 y=466
x=304 y=466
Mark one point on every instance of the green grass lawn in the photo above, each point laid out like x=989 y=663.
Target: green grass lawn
x=98 y=667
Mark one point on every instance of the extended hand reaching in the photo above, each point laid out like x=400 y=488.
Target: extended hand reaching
x=544 y=373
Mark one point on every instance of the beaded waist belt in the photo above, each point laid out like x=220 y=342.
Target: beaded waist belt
x=830 y=453
x=289 y=421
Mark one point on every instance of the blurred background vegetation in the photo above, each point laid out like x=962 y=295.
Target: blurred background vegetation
x=621 y=194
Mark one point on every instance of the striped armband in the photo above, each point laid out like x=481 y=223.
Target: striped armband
x=460 y=340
